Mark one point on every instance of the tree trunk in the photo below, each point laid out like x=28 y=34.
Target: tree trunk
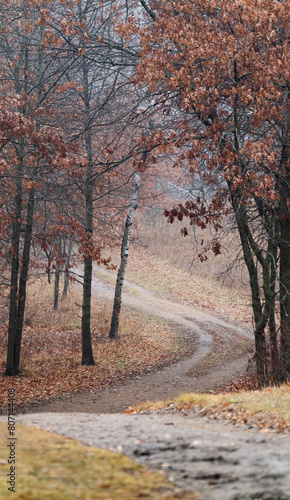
x=285 y=297
x=124 y=255
x=275 y=358
x=65 y=285
x=17 y=302
x=11 y=368
x=273 y=259
x=285 y=263
x=260 y=319
x=56 y=289
x=57 y=277
x=261 y=356
x=24 y=274
x=87 y=351
x=66 y=274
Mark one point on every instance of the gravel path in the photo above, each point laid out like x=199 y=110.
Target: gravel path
x=212 y=459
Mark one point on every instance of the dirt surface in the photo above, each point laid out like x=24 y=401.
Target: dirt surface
x=220 y=355
x=208 y=457
x=211 y=458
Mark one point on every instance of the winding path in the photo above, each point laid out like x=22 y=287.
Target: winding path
x=211 y=458
x=208 y=368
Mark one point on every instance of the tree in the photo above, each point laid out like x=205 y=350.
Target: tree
x=223 y=70
x=103 y=112
x=63 y=63
x=16 y=130
x=30 y=149
x=99 y=126
x=124 y=252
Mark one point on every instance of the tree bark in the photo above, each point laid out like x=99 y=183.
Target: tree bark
x=57 y=277
x=24 y=274
x=11 y=366
x=272 y=258
x=285 y=276
x=56 y=289
x=285 y=297
x=260 y=319
x=17 y=301
x=87 y=351
x=66 y=274
x=124 y=255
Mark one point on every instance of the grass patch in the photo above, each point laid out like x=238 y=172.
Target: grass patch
x=166 y=241
x=51 y=466
x=104 y=276
x=110 y=280
x=267 y=409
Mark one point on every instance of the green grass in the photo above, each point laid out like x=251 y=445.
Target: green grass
x=49 y=467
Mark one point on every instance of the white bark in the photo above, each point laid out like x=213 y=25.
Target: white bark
x=124 y=254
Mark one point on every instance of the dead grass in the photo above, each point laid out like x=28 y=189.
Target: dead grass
x=165 y=240
x=51 y=466
x=175 y=284
x=224 y=351
x=51 y=348
x=171 y=267
x=267 y=409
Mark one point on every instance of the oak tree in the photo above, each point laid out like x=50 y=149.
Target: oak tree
x=223 y=70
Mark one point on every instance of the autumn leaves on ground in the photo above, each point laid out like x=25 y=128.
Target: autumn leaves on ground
x=52 y=342
x=51 y=367
x=51 y=355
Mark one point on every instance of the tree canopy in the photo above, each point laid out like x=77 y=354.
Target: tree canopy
x=223 y=68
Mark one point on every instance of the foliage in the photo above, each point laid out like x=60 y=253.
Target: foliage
x=222 y=68
x=61 y=184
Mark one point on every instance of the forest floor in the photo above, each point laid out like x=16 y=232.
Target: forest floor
x=214 y=453
x=166 y=316
x=214 y=352
x=198 y=448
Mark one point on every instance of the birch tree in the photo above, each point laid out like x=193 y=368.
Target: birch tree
x=125 y=252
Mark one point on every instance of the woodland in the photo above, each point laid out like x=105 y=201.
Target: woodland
x=109 y=105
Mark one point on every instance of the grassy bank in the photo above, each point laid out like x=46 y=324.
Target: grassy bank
x=50 y=466
x=180 y=286
x=267 y=409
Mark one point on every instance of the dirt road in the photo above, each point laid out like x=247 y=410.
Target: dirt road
x=221 y=354
x=211 y=458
